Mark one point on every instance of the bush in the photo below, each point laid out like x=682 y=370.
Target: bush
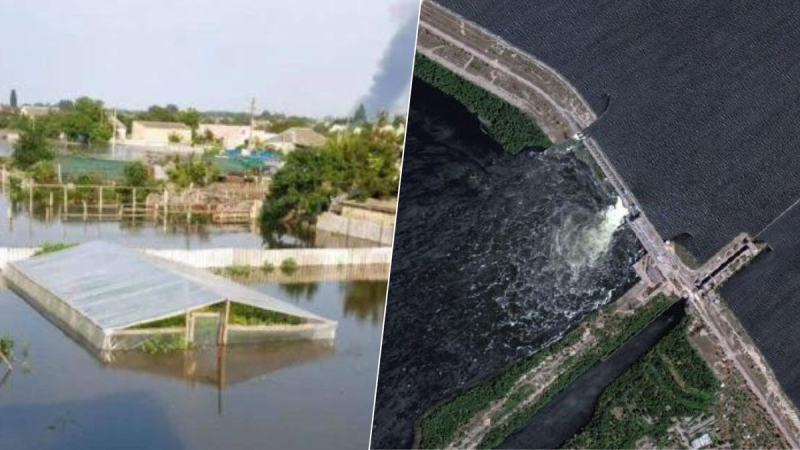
x=268 y=267
x=288 y=266
x=237 y=271
x=31 y=148
x=136 y=174
x=43 y=172
x=7 y=346
x=192 y=170
x=163 y=343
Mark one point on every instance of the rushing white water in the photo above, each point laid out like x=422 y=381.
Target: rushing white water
x=580 y=243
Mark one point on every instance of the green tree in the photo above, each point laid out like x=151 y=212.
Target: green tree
x=368 y=165
x=87 y=122
x=360 y=115
x=303 y=187
x=361 y=166
x=191 y=118
x=136 y=174
x=13 y=99
x=31 y=148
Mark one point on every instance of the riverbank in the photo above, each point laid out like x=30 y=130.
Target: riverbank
x=509 y=126
x=484 y=415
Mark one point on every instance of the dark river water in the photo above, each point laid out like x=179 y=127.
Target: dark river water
x=494 y=256
x=292 y=395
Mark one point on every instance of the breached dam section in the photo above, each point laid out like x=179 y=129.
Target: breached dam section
x=702 y=101
x=495 y=256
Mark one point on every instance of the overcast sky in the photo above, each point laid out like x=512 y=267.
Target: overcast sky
x=310 y=57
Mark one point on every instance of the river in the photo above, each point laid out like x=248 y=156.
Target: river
x=287 y=395
x=494 y=256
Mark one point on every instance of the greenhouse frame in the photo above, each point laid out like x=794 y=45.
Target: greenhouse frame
x=115 y=298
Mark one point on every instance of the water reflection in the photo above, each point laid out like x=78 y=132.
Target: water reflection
x=275 y=395
x=365 y=300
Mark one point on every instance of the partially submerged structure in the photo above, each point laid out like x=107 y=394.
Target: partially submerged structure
x=114 y=298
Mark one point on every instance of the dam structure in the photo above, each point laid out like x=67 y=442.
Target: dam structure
x=691 y=112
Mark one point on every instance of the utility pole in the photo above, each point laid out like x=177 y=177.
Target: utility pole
x=114 y=137
x=252 y=122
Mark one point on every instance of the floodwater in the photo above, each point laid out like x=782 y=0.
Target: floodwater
x=20 y=228
x=572 y=409
x=287 y=395
x=494 y=257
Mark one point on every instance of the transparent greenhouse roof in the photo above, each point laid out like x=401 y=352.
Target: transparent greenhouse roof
x=116 y=287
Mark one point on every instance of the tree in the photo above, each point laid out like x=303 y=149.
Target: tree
x=13 y=99
x=31 y=148
x=191 y=118
x=360 y=115
x=303 y=186
x=361 y=166
x=87 y=122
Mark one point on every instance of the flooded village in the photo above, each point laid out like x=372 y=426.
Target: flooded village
x=245 y=295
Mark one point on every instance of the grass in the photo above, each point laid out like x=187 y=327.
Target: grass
x=670 y=382
x=509 y=126
x=440 y=425
x=52 y=247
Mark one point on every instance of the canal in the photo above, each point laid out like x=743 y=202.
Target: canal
x=308 y=395
x=572 y=409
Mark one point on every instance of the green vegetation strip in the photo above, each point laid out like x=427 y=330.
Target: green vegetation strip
x=249 y=315
x=52 y=247
x=671 y=381
x=440 y=425
x=510 y=127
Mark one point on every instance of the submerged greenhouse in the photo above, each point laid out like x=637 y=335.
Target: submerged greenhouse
x=114 y=298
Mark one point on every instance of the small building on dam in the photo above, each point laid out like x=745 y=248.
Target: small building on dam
x=112 y=298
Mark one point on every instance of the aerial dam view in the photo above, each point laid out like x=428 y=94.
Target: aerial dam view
x=688 y=116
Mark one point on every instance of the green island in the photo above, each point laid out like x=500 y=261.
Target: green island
x=670 y=382
x=441 y=425
x=510 y=127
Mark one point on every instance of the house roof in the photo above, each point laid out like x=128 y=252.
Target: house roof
x=304 y=137
x=116 y=287
x=163 y=125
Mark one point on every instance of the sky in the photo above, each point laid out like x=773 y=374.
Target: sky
x=306 y=57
